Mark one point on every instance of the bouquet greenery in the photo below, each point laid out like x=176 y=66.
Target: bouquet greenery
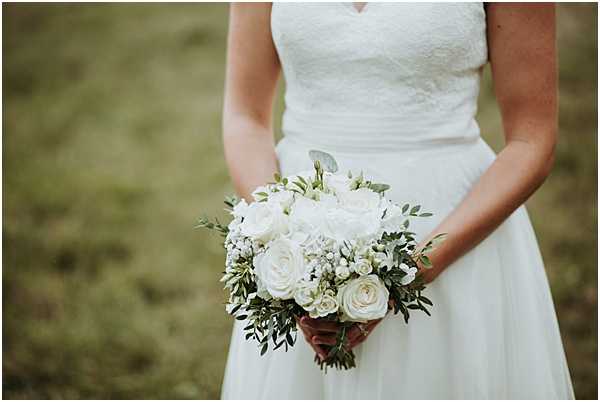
x=322 y=244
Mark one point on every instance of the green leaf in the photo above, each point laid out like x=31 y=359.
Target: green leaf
x=264 y=349
x=405 y=208
x=426 y=261
x=327 y=161
x=379 y=187
x=425 y=214
x=300 y=185
x=438 y=238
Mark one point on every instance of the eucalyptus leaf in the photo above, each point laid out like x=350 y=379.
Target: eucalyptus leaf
x=327 y=161
x=379 y=187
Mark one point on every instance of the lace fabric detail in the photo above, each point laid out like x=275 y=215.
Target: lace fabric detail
x=391 y=58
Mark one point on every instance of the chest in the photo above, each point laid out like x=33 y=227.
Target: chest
x=410 y=36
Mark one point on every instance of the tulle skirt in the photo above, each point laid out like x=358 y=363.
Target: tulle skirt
x=492 y=333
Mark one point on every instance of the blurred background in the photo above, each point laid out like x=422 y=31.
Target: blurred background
x=112 y=150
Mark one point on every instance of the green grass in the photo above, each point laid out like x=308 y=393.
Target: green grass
x=111 y=151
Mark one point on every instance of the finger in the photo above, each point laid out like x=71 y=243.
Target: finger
x=307 y=331
x=319 y=351
x=356 y=341
x=353 y=335
x=355 y=332
x=319 y=325
x=316 y=347
x=372 y=324
x=324 y=340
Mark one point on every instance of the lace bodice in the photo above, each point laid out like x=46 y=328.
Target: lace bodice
x=390 y=64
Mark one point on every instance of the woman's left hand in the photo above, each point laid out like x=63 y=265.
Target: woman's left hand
x=428 y=274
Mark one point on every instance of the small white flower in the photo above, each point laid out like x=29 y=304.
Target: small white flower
x=306 y=294
x=385 y=260
x=342 y=271
x=410 y=274
x=362 y=267
x=327 y=304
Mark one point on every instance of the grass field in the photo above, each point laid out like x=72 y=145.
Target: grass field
x=112 y=149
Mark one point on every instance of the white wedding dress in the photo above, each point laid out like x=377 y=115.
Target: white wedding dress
x=392 y=90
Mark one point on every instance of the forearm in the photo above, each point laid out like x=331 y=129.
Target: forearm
x=516 y=173
x=250 y=154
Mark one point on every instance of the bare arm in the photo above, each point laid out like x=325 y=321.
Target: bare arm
x=250 y=84
x=521 y=40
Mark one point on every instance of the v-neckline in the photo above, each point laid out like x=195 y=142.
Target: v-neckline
x=351 y=8
x=362 y=9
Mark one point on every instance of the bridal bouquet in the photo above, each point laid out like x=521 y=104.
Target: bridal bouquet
x=322 y=244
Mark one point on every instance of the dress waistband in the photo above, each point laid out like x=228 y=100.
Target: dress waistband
x=382 y=133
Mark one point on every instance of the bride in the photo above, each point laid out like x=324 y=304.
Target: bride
x=391 y=88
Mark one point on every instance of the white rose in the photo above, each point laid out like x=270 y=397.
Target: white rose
x=261 y=289
x=342 y=271
x=337 y=183
x=305 y=216
x=306 y=294
x=392 y=219
x=363 y=299
x=362 y=267
x=342 y=225
x=239 y=210
x=327 y=304
x=410 y=274
x=264 y=221
x=280 y=268
x=327 y=201
x=285 y=198
x=360 y=201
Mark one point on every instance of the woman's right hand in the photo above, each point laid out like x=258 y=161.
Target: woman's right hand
x=320 y=334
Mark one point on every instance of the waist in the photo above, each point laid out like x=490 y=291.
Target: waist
x=381 y=133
